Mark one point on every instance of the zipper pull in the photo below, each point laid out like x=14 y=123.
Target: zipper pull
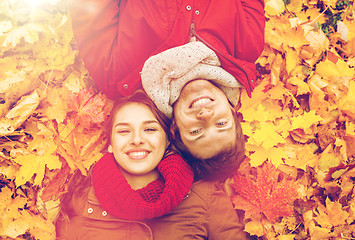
x=192 y=29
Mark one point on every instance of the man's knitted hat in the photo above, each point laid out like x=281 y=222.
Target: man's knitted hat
x=164 y=75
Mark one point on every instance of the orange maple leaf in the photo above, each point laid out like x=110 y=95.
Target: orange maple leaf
x=268 y=193
x=87 y=107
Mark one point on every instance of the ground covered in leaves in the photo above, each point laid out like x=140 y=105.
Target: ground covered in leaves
x=297 y=181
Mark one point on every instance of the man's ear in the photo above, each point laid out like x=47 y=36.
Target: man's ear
x=109 y=149
x=173 y=128
x=233 y=109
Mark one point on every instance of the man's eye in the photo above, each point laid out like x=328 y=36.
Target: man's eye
x=196 y=131
x=221 y=123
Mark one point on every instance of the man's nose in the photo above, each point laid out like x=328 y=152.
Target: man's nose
x=204 y=113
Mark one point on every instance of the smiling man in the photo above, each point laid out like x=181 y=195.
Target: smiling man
x=188 y=85
x=204 y=118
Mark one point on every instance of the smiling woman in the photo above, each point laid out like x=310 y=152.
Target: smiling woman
x=137 y=143
x=137 y=179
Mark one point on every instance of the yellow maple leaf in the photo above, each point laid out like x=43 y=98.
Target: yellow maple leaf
x=312 y=15
x=24 y=108
x=292 y=59
x=28 y=32
x=258 y=155
x=266 y=135
x=274 y=7
x=350 y=128
x=300 y=155
x=14 y=84
x=5 y=26
x=302 y=86
x=33 y=164
x=330 y=3
x=258 y=97
x=254 y=228
x=327 y=161
x=331 y=215
x=55 y=105
x=318 y=41
x=11 y=224
x=348 y=102
x=305 y=120
x=339 y=69
x=259 y=114
x=295 y=6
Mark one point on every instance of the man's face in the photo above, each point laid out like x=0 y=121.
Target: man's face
x=204 y=118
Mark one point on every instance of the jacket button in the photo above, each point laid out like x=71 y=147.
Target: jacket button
x=125 y=86
x=90 y=210
x=104 y=213
x=197 y=12
x=188 y=7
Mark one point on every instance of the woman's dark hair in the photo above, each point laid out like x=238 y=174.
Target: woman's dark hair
x=138 y=97
x=218 y=167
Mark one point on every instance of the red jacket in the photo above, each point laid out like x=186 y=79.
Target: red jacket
x=115 y=39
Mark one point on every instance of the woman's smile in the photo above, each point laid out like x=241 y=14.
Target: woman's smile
x=138 y=153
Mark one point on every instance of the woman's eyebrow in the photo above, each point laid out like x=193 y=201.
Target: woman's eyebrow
x=127 y=123
x=151 y=121
x=121 y=124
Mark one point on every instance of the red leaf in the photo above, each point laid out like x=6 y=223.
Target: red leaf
x=87 y=107
x=54 y=188
x=265 y=193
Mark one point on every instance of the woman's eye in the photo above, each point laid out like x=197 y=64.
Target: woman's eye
x=196 y=131
x=123 y=131
x=150 y=129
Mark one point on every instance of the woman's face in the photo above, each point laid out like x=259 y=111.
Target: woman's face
x=138 y=141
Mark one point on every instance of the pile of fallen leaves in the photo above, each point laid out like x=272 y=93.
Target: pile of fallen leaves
x=298 y=179
x=300 y=125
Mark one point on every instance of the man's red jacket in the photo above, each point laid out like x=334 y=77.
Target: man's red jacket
x=116 y=37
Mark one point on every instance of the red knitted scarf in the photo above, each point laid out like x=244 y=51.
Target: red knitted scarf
x=159 y=197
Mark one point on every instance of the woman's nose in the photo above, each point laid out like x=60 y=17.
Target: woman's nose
x=137 y=139
x=204 y=113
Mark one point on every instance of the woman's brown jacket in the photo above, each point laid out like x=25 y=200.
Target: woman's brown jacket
x=206 y=213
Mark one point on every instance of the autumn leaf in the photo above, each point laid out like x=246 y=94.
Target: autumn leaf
x=300 y=118
x=87 y=107
x=274 y=7
x=331 y=215
x=305 y=121
x=339 y=69
x=265 y=193
x=18 y=114
x=28 y=32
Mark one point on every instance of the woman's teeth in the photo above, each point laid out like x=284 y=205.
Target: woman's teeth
x=137 y=154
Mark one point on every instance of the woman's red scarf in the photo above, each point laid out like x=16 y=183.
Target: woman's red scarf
x=159 y=197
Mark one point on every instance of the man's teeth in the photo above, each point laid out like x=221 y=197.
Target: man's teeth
x=137 y=154
x=201 y=102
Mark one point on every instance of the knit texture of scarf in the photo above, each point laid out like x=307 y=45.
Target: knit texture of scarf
x=159 y=197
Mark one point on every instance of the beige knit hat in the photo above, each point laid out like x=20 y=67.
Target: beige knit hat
x=165 y=74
